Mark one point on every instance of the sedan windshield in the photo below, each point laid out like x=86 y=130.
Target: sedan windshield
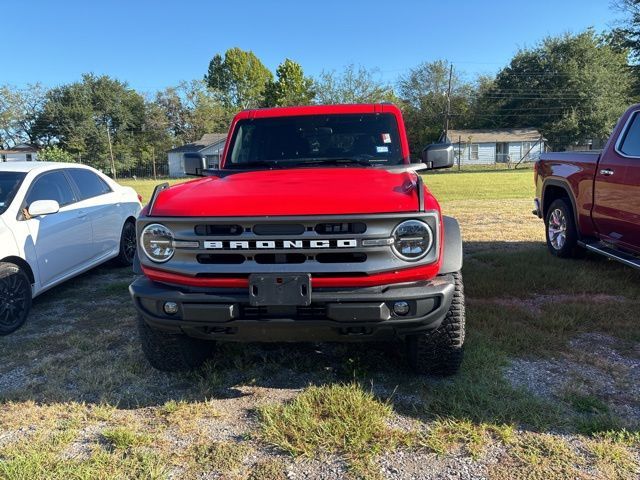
x=9 y=184
x=312 y=140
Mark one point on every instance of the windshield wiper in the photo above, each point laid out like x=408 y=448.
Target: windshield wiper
x=337 y=161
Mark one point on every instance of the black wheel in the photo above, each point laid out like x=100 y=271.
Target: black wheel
x=128 y=244
x=170 y=352
x=561 y=232
x=15 y=297
x=440 y=351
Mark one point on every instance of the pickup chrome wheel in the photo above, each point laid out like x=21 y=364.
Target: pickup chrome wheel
x=561 y=231
x=15 y=297
x=557 y=229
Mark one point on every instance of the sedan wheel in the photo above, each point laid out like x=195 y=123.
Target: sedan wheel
x=15 y=297
x=128 y=243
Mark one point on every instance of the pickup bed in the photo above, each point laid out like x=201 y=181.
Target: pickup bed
x=591 y=200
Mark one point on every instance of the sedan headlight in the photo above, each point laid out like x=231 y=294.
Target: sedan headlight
x=412 y=240
x=157 y=243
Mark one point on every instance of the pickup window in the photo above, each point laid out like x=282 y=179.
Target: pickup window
x=367 y=139
x=630 y=142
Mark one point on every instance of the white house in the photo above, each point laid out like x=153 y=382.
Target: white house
x=508 y=145
x=211 y=145
x=23 y=152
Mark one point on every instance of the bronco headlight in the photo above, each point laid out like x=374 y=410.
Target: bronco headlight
x=412 y=240
x=157 y=242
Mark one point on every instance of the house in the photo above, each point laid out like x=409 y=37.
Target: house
x=210 y=145
x=23 y=152
x=507 y=145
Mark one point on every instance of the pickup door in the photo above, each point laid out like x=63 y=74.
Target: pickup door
x=616 y=210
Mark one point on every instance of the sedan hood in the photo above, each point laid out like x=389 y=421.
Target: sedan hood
x=304 y=191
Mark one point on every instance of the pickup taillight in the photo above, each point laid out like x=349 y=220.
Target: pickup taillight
x=535 y=173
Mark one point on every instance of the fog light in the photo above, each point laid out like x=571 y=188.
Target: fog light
x=401 y=308
x=170 y=308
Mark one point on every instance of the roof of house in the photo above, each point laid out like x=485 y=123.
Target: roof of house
x=207 y=140
x=494 y=135
x=21 y=148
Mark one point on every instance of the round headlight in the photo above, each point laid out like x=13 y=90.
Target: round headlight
x=157 y=242
x=412 y=240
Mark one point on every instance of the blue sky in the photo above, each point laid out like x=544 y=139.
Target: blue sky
x=154 y=44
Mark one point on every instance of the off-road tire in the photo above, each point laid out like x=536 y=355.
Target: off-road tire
x=128 y=243
x=440 y=351
x=170 y=352
x=15 y=297
x=570 y=248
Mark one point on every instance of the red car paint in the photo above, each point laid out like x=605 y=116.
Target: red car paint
x=301 y=191
x=604 y=189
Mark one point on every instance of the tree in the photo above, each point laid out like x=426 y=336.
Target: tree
x=53 y=153
x=423 y=93
x=571 y=87
x=239 y=79
x=352 y=85
x=290 y=88
x=19 y=109
x=86 y=118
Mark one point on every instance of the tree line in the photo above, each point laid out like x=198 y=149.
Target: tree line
x=571 y=87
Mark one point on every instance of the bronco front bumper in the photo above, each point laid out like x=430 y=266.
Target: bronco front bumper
x=348 y=314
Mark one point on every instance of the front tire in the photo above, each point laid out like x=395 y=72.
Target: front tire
x=171 y=352
x=15 y=297
x=128 y=245
x=561 y=232
x=440 y=351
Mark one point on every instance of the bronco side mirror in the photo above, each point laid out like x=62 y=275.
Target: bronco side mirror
x=438 y=155
x=194 y=164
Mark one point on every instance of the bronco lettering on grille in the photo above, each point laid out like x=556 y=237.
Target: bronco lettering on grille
x=278 y=244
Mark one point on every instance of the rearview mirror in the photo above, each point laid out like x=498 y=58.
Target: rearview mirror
x=438 y=155
x=43 y=207
x=194 y=164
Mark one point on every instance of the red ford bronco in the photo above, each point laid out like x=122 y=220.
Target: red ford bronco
x=315 y=227
x=591 y=200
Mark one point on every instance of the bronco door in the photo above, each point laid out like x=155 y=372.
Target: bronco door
x=616 y=210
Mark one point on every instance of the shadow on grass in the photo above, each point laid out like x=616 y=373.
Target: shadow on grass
x=81 y=346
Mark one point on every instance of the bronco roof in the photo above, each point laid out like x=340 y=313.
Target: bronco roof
x=319 y=110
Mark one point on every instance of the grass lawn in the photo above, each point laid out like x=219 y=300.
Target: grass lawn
x=549 y=388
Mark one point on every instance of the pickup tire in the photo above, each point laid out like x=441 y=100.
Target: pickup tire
x=128 y=242
x=560 y=228
x=171 y=352
x=440 y=351
x=15 y=297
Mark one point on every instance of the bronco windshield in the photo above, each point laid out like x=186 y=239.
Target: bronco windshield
x=9 y=184
x=316 y=140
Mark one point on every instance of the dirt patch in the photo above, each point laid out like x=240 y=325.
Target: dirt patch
x=593 y=366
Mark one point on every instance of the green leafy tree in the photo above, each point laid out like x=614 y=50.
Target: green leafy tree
x=423 y=91
x=572 y=87
x=19 y=110
x=290 y=88
x=352 y=85
x=53 y=153
x=238 y=80
x=83 y=118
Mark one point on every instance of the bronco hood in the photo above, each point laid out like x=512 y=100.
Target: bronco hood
x=303 y=191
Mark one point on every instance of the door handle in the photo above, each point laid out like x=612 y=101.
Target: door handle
x=82 y=215
x=606 y=172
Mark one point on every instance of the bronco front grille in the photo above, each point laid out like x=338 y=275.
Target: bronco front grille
x=324 y=246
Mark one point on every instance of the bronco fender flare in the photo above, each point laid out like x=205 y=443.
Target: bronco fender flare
x=452 y=248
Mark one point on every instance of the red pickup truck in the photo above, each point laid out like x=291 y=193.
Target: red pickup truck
x=591 y=200
x=316 y=227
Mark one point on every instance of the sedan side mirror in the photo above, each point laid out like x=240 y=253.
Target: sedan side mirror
x=438 y=155
x=194 y=164
x=43 y=207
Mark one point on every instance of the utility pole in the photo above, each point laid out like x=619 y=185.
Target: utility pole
x=113 y=162
x=448 y=112
x=153 y=159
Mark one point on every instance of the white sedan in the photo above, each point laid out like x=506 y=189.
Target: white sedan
x=57 y=220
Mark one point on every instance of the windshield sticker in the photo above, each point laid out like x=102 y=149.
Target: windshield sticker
x=382 y=149
x=386 y=138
